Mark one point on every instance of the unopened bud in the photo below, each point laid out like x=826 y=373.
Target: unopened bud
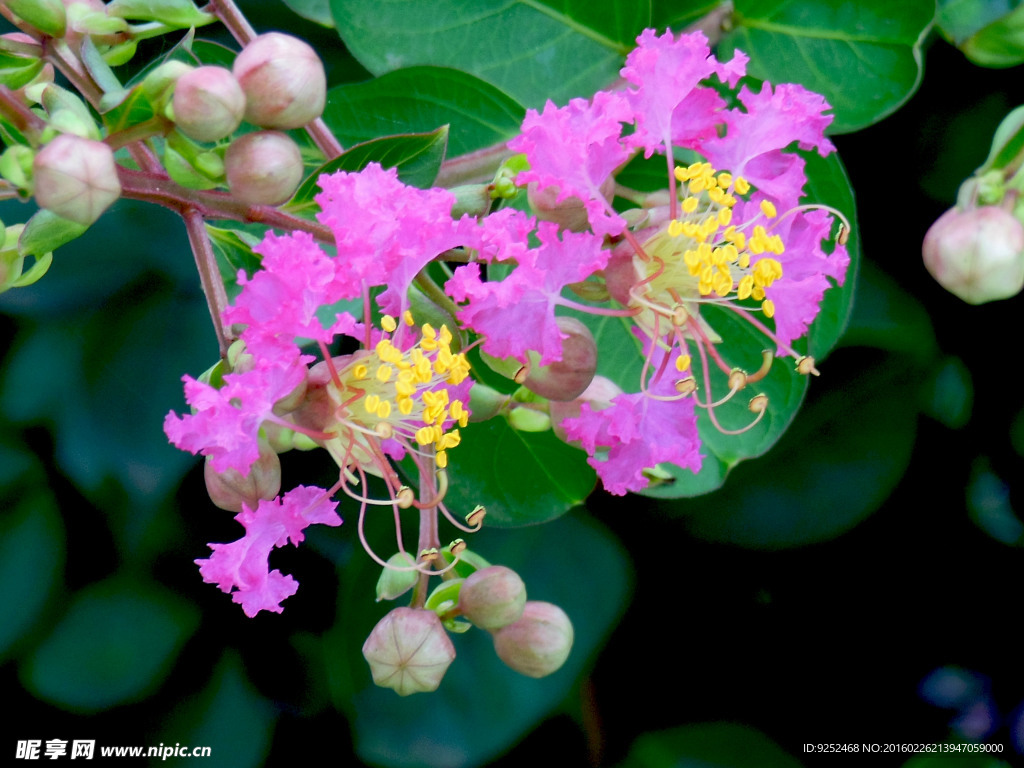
x=284 y=81
x=230 y=489
x=48 y=16
x=538 y=643
x=566 y=379
x=76 y=178
x=569 y=213
x=208 y=103
x=409 y=651
x=493 y=597
x=263 y=168
x=976 y=254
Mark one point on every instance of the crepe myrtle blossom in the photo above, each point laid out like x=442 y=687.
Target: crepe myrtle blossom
x=402 y=393
x=729 y=231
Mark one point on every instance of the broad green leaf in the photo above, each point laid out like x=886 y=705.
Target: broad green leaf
x=31 y=562
x=174 y=13
x=875 y=44
x=714 y=745
x=999 y=44
x=521 y=477
x=481 y=707
x=416 y=156
x=679 y=14
x=115 y=644
x=314 y=10
x=838 y=462
x=531 y=49
x=421 y=99
x=233 y=249
x=229 y=716
x=959 y=19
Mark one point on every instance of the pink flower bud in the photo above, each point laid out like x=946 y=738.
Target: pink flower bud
x=977 y=254
x=409 y=651
x=229 y=490
x=570 y=376
x=568 y=214
x=284 y=81
x=492 y=597
x=208 y=103
x=539 y=643
x=76 y=178
x=263 y=168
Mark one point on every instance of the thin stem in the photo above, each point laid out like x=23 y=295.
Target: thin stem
x=429 y=537
x=209 y=274
x=434 y=293
x=20 y=116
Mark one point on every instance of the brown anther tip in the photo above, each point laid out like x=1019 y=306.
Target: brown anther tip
x=521 y=374
x=457 y=547
x=384 y=430
x=758 y=404
x=476 y=517
x=680 y=315
x=686 y=386
x=805 y=365
x=405 y=497
x=429 y=555
x=843 y=235
x=737 y=379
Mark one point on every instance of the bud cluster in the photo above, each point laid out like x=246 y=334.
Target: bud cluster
x=410 y=651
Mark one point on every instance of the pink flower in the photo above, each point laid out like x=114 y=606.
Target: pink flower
x=241 y=568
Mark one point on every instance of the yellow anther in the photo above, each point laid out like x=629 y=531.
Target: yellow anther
x=359 y=372
x=724 y=180
x=408 y=318
x=715 y=195
x=679 y=315
x=690 y=204
x=441 y=458
x=768 y=209
x=683 y=362
x=455 y=410
x=744 y=260
x=729 y=253
x=384 y=409
x=405 y=405
x=679 y=173
x=428 y=331
x=405 y=497
x=371 y=402
x=425 y=435
x=737 y=379
x=746 y=285
x=388 y=323
x=675 y=227
x=445 y=335
x=768 y=307
x=758 y=403
x=805 y=365
x=742 y=185
x=696 y=185
x=686 y=386
x=724 y=216
x=384 y=372
x=476 y=517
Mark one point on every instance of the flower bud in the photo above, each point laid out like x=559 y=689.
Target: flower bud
x=208 y=103
x=263 y=168
x=539 y=643
x=230 y=490
x=76 y=178
x=48 y=16
x=493 y=597
x=976 y=254
x=567 y=378
x=409 y=651
x=568 y=214
x=284 y=81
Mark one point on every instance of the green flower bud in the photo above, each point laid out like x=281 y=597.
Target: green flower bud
x=409 y=651
x=76 y=178
x=230 y=490
x=284 y=81
x=263 y=168
x=158 y=85
x=538 y=643
x=208 y=103
x=977 y=254
x=393 y=582
x=16 y=165
x=529 y=420
x=493 y=598
x=565 y=379
x=48 y=16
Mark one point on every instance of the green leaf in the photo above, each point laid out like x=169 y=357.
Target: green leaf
x=229 y=716
x=532 y=50
x=876 y=44
x=318 y=11
x=31 y=562
x=416 y=156
x=115 y=644
x=521 y=477
x=838 y=462
x=45 y=232
x=180 y=14
x=16 y=71
x=233 y=249
x=999 y=44
x=678 y=14
x=959 y=19
x=421 y=99
x=714 y=745
x=481 y=707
